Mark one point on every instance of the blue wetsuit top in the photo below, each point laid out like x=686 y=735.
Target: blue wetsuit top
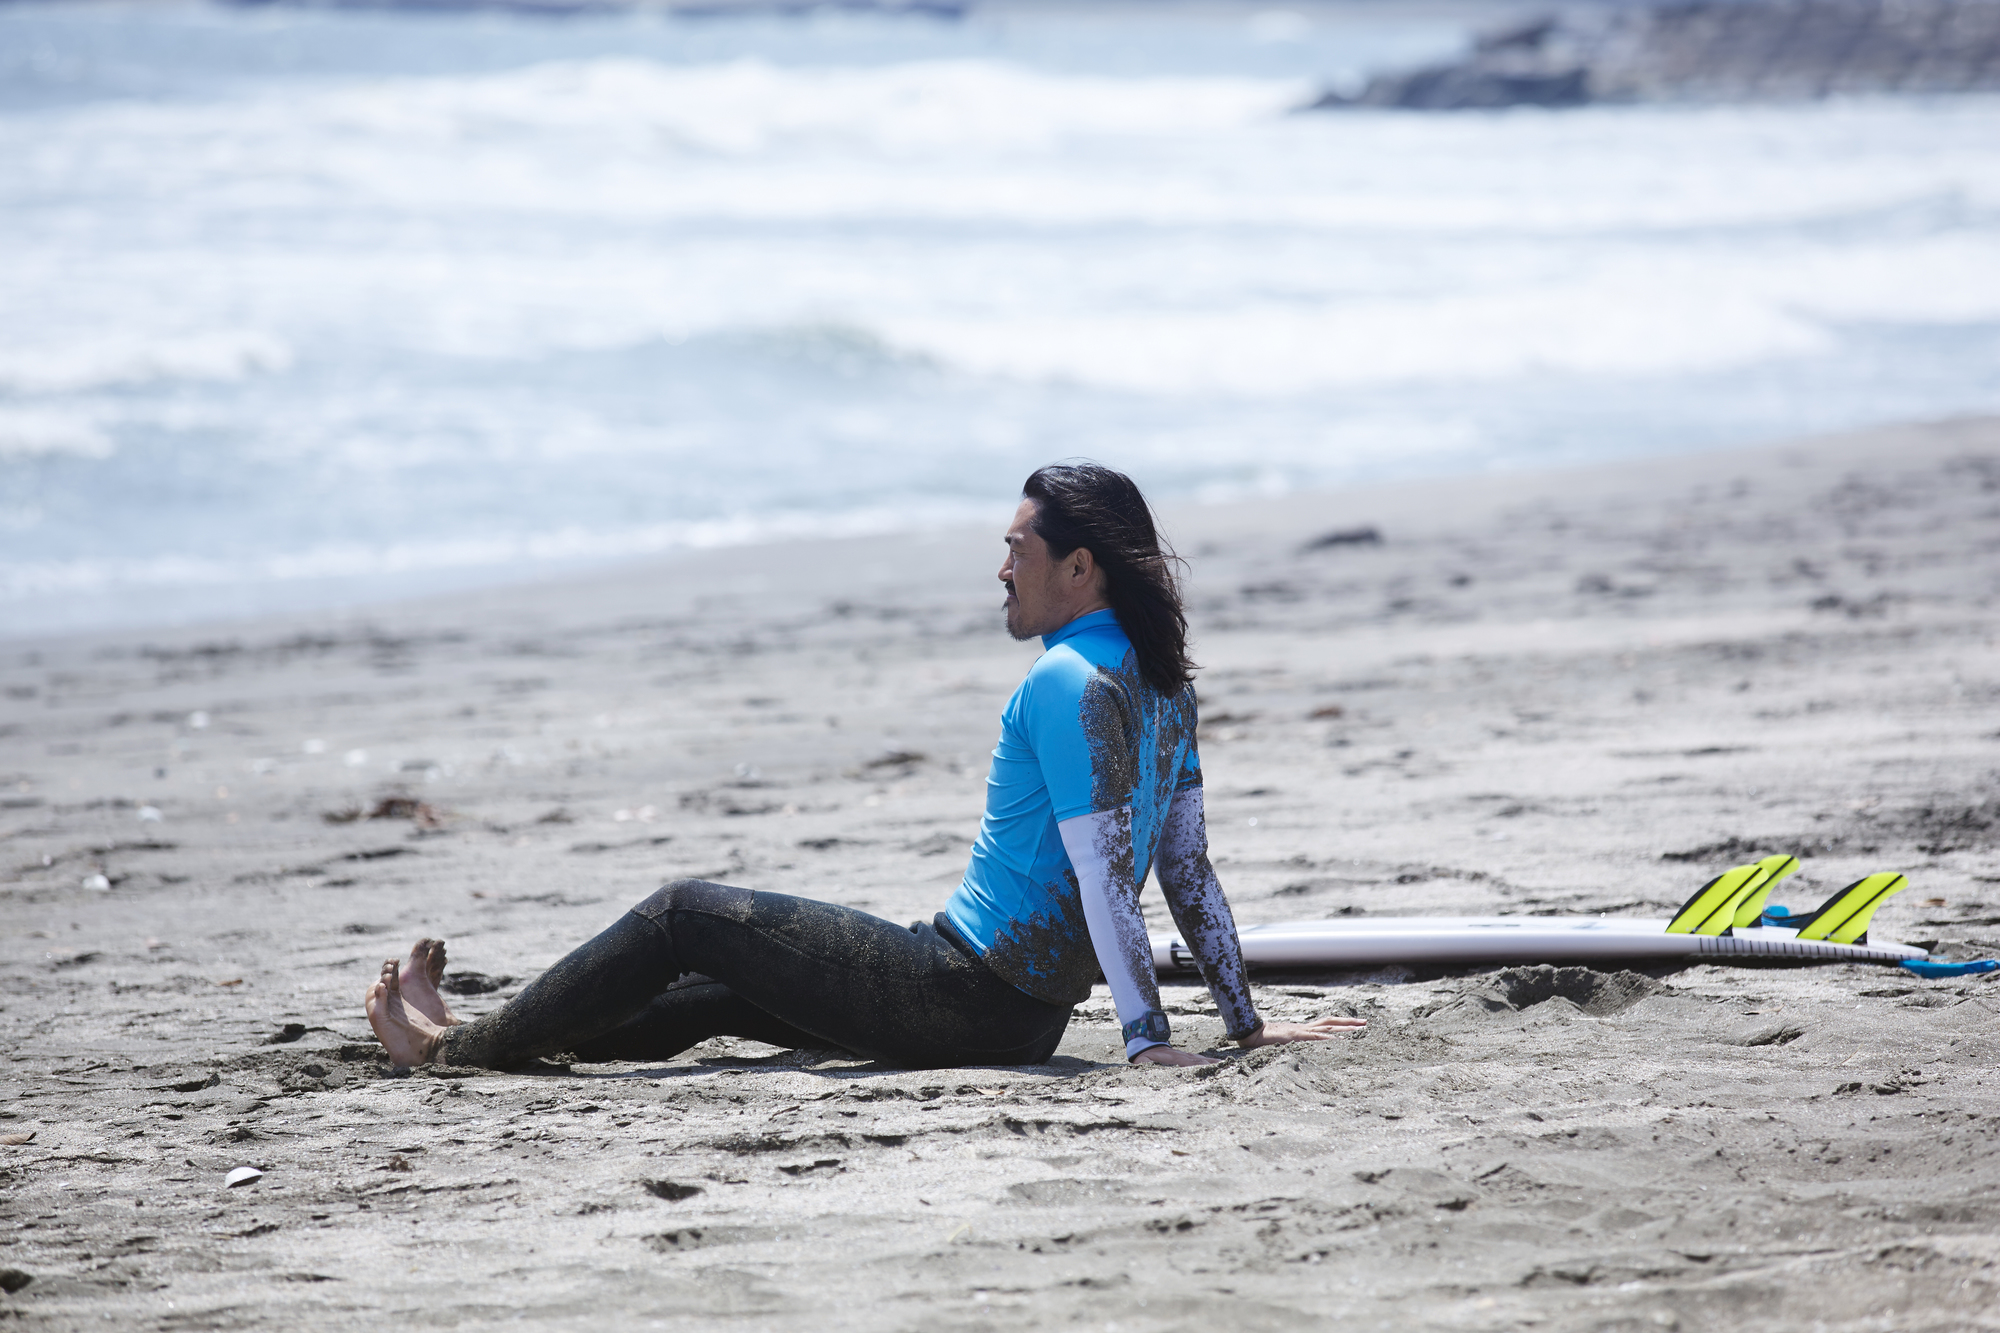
x=1084 y=734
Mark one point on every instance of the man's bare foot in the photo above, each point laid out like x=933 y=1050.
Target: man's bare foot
x=420 y=978
x=410 y=1037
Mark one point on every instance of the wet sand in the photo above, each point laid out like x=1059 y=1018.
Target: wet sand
x=1584 y=692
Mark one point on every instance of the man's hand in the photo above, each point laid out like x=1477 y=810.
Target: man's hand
x=1271 y=1034
x=1276 y=1034
x=1167 y=1055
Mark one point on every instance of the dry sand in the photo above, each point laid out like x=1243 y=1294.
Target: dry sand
x=1574 y=692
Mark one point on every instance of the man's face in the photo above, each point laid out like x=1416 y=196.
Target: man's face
x=1037 y=583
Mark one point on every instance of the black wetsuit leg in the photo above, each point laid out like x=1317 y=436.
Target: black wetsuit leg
x=915 y=995
x=686 y=1014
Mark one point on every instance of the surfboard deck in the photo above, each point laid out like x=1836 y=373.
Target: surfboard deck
x=1361 y=942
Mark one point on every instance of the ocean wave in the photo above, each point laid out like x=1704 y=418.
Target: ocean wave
x=750 y=107
x=982 y=141
x=1636 y=313
x=554 y=548
x=1276 y=350
x=314 y=334
x=30 y=432
x=643 y=112
x=102 y=361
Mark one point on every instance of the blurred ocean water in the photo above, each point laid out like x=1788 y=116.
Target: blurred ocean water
x=300 y=308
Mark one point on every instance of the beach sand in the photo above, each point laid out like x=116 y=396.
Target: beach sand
x=1586 y=691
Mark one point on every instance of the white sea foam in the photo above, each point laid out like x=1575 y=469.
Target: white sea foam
x=750 y=107
x=27 y=432
x=1263 y=351
x=558 y=546
x=37 y=362
x=1026 y=201
x=987 y=141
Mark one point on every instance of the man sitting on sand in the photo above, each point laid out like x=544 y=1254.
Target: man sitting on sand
x=1095 y=781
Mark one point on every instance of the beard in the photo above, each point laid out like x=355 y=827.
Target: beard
x=1014 y=630
x=1016 y=619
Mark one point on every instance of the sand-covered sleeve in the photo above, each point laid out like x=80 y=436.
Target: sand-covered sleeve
x=1207 y=927
x=1100 y=851
x=1189 y=775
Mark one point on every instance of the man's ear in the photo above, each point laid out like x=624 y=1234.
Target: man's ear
x=1082 y=566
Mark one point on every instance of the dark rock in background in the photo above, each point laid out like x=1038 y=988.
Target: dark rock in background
x=1712 y=50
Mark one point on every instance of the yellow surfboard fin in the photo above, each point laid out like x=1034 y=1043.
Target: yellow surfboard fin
x=1712 y=910
x=1843 y=918
x=1751 y=909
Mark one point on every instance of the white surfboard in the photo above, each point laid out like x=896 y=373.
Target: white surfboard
x=1363 y=942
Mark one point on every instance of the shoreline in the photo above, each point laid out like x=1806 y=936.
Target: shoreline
x=1583 y=691
x=1422 y=506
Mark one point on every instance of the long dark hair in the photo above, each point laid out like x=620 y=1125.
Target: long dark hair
x=1089 y=506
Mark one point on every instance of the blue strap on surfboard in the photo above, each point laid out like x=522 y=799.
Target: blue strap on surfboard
x=1924 y=967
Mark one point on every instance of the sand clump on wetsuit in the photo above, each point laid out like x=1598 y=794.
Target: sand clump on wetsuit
x=1582 y=692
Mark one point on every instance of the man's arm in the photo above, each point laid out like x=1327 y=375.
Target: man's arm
x=1209 y=930
x=1207 y=927
x=1100 y=851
